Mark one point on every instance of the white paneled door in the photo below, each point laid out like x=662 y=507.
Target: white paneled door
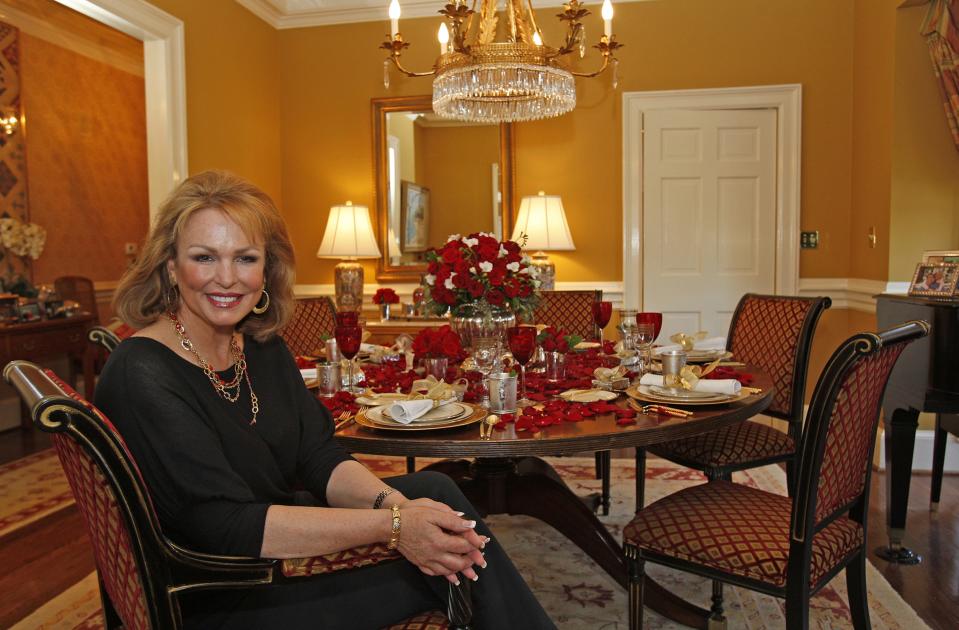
x=709 y=214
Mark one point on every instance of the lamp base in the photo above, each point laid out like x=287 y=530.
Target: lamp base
x=348 y=283
x=547 y=271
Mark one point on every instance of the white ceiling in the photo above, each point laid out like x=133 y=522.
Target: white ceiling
x=301 y=13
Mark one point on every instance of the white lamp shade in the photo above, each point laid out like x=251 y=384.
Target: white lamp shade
x=543 y=220
x=349 y=234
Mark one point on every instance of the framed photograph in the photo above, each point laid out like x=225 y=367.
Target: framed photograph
x=414 y=217
x=29 y=312
x=941 y=256
x=935 y=279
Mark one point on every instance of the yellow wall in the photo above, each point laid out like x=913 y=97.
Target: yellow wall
x=925 y=166
x=232 y=91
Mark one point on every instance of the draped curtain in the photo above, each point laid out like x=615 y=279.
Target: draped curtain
x=941 y=30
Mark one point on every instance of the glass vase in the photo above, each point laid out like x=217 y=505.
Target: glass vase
x=555 y=366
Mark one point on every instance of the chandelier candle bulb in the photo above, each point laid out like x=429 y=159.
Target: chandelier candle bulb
x=444 y=36
x=607 y=13
x=537 y=39
x=394 y=17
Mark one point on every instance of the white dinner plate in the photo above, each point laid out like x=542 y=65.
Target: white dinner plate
x=587 y=395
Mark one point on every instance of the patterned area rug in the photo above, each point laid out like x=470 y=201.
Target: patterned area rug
x=576 y=593
x=31 y=488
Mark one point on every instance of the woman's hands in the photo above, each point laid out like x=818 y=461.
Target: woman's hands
x=439 y=540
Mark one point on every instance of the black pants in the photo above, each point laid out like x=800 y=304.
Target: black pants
x=377 y=596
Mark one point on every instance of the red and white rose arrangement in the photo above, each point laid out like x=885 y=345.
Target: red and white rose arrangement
x=479 y=267
x=385 y=296
x=438 y=342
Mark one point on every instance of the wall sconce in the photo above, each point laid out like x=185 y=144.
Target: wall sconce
x=9 y=120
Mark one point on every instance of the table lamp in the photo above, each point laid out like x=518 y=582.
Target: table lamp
x=542 y=219
x=348 y=236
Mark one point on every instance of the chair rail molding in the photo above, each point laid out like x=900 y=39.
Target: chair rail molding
x=850 y=293
x=786 y=100
x=165 y=81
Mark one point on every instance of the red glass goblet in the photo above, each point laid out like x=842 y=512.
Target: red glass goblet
x=347 y=318
x=522 y=344
x=348 y=338
x=655 y=319
x=602 y=311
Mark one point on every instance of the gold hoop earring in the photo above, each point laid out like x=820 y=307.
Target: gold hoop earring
x=259 y=310
x=171 y=298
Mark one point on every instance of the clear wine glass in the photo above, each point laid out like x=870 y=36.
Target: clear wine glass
x=522 y=344
x=485 y=353
x=348 y=338
x=643 y=336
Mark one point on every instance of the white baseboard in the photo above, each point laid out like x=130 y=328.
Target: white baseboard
x=922 y=453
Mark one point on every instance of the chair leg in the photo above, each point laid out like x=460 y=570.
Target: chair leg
x=797 y=609
x=410 y=465
x=604 y=472
x=858 y=594
x=640 y=478
x=637 y=580
x=938 y=462
x=716 y=610
x=111 y=620
x=790 y=476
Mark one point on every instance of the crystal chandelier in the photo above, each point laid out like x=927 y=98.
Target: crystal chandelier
x=478 y=79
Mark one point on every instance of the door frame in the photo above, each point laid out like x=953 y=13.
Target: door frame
x=787 y=100
x=164 y=74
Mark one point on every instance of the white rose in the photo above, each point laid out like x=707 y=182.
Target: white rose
x=525 y=270
x=449 y=282
x=430 y=279
x=513 y=266
x=453 y=237
x=472 y=269
x=502 y=252
x=470 y=242
x=486 y=267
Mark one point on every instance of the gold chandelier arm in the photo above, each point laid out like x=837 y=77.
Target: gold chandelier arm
x=399 y=66
x=590 y=75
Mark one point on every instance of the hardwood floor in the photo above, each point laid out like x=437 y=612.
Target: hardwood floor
x=45 y=557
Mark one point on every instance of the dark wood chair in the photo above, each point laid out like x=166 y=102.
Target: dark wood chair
x=312 y=319
x=946 y=423
x=782 y=546
x=102 y=340
x=80 y=290
x=141 y=572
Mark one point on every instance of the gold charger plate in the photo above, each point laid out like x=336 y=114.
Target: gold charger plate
x=705 y=356
x=477 y=414
x=633 y=392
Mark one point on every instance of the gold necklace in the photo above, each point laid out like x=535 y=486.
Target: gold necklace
x=223 y=388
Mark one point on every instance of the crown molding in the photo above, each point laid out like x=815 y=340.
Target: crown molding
x=286 y=14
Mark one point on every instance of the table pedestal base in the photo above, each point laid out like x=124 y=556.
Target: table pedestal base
x=531 y=487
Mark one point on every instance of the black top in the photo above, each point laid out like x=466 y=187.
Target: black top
x=211 y=475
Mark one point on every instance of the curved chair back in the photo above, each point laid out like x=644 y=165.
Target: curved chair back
x=312 y=318
x=139 y=569
x=570 y=310
x=775 y=333
x=80 y=290
x=836 y=451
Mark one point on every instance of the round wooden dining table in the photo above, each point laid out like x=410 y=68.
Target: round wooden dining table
x=507 y=475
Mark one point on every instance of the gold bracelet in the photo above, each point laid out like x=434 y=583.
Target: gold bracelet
x=395 y=531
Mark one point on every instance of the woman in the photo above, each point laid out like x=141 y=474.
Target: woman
x=216 y=415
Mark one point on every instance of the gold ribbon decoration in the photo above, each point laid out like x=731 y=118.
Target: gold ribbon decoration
x=691 y=374
x=688 y=341
x=436 y=390
x=608 y=375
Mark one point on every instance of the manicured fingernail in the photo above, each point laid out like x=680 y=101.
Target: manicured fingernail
x=471 y=524
x=475 y=578
x=459 y=513
x=483 y=565
x=456 y=583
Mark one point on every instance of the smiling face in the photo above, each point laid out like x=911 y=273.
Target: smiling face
x=219 y=271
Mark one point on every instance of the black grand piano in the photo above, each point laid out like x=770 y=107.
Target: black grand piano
x=926 y=378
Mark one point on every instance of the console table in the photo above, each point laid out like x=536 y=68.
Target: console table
x=44 y=340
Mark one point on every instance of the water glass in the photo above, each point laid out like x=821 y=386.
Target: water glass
x=436 y=367
x=502 y=392
x=673 y=363
x=384 y=312
x=641 y=340
x=485 y=354
x=327 y=378
x=555 y=366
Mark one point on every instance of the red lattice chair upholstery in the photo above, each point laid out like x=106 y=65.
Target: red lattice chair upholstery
x=775 y=334
x=312 y=318
x=570 y=310
x=786 y=547
x=141 y=572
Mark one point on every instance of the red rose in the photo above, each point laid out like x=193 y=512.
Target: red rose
x=511 y=287
x=475 y=288
x=495 y=297
x=433 y=267
x=452 y=255
x=461 y=280
x=497 y=276
x=488 y=250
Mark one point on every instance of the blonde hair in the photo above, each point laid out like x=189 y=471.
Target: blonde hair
x=145 y=290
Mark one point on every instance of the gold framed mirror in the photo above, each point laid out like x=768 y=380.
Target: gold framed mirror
x=435 y=177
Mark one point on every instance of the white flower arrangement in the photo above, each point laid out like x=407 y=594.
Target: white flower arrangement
x=22 y=239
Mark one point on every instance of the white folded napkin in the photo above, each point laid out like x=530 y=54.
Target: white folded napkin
x=308 y=374
x=728 y=386
x=406 y=411
x=713 y=343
